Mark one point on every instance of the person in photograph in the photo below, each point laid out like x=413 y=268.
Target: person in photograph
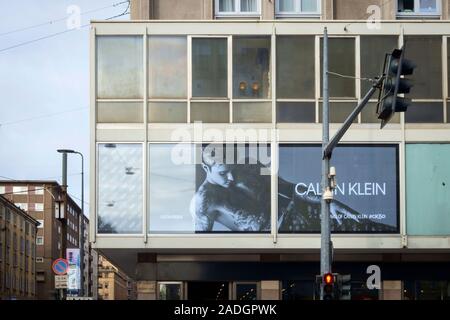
x=234 y=195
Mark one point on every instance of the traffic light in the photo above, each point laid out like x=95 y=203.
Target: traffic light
x=344 y=287
x=395 y=66
x=328 y=286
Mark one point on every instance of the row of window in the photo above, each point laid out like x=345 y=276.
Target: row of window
x=216 y=92
x=23 y=190
x=312 y=8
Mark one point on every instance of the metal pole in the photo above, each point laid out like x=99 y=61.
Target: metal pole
x=82 y=227
x=325 y=262
x=64 y=171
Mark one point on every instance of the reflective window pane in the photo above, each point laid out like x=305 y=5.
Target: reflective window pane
x=120 y=112
x=251 y=67
x=119 y=67
x=295 y=67
x=286 y=5
x=119 y=206
x=406 y=5
x=171 y=176
x=170 y=291
x=167 y=67
x=209 y=188
x=373 y=50
x=428 y=5
x=252 y=112
x=428 y=112
x=246 y=291
x=309 y=5
x=297 y=290
x=339 y=111
x=210 y=112
x=369 y=115
x=209 y=67
x=249 y=5
x=167 y=112
x=290 y=112
x=341 y=59
x=227 y=5
x=426 y=52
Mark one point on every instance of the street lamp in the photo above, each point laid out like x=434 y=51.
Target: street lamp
x=64 y=153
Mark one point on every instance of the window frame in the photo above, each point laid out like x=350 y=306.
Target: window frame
x=297 y=10
x=237 y=12
x=40 y=239
x=417 y=12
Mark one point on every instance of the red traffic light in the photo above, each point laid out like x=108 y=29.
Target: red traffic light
x=328 y=278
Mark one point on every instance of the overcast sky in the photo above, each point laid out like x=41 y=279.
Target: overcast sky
x=43 y=78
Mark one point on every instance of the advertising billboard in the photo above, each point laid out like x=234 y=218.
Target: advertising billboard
x=209 y=188
x=366 y=194
x=74 y=271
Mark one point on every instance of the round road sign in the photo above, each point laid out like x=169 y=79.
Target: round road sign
x=60 y=266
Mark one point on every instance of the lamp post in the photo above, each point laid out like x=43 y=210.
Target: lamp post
x=64 y=153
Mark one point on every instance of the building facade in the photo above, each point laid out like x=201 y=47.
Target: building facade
x=17 y=253
x=167 y=95
x=113 y=283
x=58 y=229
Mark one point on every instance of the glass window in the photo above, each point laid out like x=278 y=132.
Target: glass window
x=119 y=67
x=426 y=52
x=237 y=7
x=430 y=112
x=252 y=112
x=373 y=50
x=218 y=188
x=167 y=67
x=246 y=291
x=427 y=188
x=366 y=195
x=297 y=290
x=170 y=291
x=119 y=112
x=291 y=112
x=209 y=67
x=251 y=67
x=419 y=7
x=369 y=114
x=295 y=67
x=341 y=59
x=120 y=195
x=212 y=112
x=166 y=112
x=339 y=111
x=297 y=7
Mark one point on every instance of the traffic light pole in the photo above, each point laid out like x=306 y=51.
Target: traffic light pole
x=325 y=237
x=327 y=149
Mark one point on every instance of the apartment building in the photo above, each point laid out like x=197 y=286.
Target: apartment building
x=59 y=227
x=17 y=253
x=113 y=283
x=182 y=79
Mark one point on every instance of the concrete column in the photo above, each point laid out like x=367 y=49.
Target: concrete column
x=270 y=290
x=146 y=290
x=445 y=10
x=268 y=9
x=140 y=10
x=392 y=290
x=327 y=10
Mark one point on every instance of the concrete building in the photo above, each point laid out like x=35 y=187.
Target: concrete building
x=17 y=253
x=43 y=200
x=113 y=283
x=186 y=74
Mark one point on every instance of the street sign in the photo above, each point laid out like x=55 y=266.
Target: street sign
x=61 y=282
x=60 y=266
